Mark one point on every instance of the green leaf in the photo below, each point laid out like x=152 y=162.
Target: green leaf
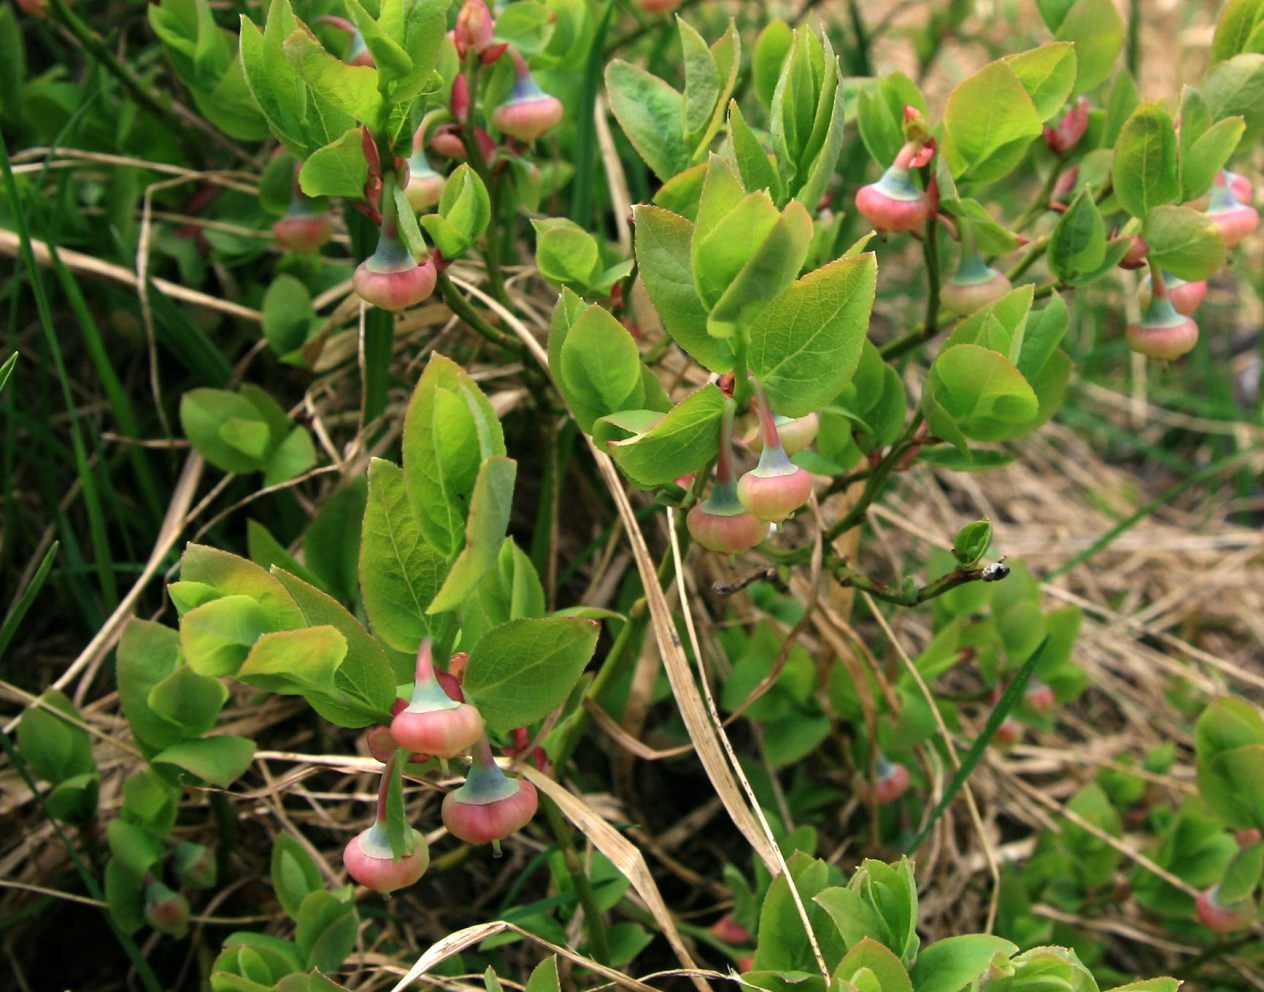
x=527 y=26
x=972 y=542
x=1236 y=88
x=702 y=83
x=880 y=114
x=979 y=392
x=520 y=671
x=272 y=80
x=332 y=544
x=952 y=964
x=599 y=371
x=650 y=113
x=389 y=57
x=294 y=874
x=490 y=506
x=351 y=89
x=988 y=124
x=399 y=572
x=805 y=346
x=216 y=636
x=1242 y=877
x=218 y=423
x=147 y=654
x=721 y=249
x=291 y=458
x=663 y=255
x=1183 y=241
x=288 y=315
x=1078 y=243
x=544 y=976
x=753 y=161
x=1097 y=31
x=294 y=662
x=219 y=760
x=450 y=427
x=1145 y=169
x=1001 y=325
x=771 y=48
x=565 y=253
x=783 y=943
x=1208 y=154
x=228 y=574
x=338 y=168
x=681 y=442
x=1238 y=28
x=189 y=700
x=464 y=213
x=510 y=591
x=767 y=271
x=1047 y=74
x=869 y=964
x=56 y=749
x=365 y=681
x=326 y=931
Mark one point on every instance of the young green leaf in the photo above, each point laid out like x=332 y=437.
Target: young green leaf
x=1146 y=167
x=520 y=671
x=399 y=572
x=805 y=346
x=490 y=504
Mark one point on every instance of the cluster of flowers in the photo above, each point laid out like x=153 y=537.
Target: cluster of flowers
x=1166 y=330
x=737 y=514
x=437 y=723
x=392 y=277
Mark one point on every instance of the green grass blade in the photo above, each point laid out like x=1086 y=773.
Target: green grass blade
x=18 y=610
x=91 y=497
x=1009 y=699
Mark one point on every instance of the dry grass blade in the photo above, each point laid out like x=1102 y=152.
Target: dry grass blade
x=985 y=841
x=455 y=943
x=701 y=730
x=622 y=854
x=77 y=261
x=172 y=526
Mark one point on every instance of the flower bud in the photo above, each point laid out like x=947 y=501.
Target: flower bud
x=1136 y=254
x=893 y=203
x=394 y=289
x=433 y=722
x=489 y=806
x=730 y=931
x=448 y=143
x=891 y=781
x=796 y=433
x=974 y=285
x=725 y=531
x=1239 y=186
x=1220 y=917
x=776 y=487
x=304 y=228
x=1007 y=734
x=1040 y=697
x=1237 y=221
x=1247 y=837
x=474 y=29
x=425 y=186
x=166 y=910
x=1070 y=129
x=369 y=860
x=528 y=113
x=195 y=865
x=1162 y=333
x=1186 y=297
x=655 y=7
x=303 y=234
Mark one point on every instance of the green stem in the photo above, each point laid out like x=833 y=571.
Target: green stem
x=873 y=485
x=594 y=923
x=460 y=306
x=957 y=577
x=1134 y=37
x=930 y=252
x=860 y=62
x=1041 y=203
x=491 y=240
